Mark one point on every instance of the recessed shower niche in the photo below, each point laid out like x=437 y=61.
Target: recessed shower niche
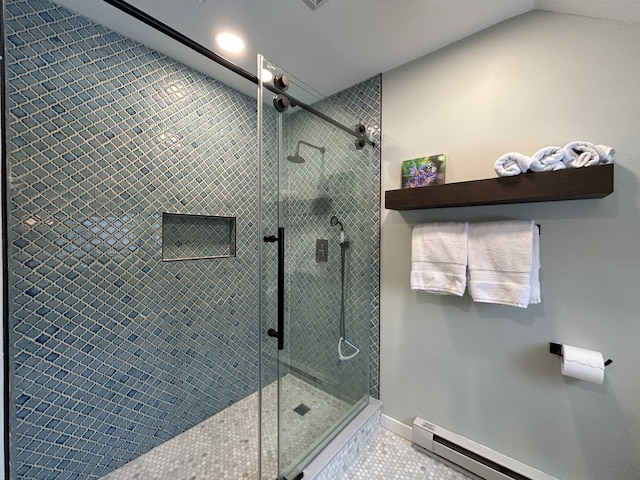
x=197 y=237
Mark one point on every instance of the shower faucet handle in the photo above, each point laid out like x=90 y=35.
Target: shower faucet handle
x=322 y=250
x=270 y=239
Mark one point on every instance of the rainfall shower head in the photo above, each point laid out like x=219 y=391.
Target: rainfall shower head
x=335 y=221
x=297 y=158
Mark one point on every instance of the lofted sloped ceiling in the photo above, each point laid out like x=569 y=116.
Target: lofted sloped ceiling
x=335 y=46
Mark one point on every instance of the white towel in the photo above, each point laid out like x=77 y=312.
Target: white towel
x=511 y=164
x=580 y=154
x=501 y=263
x=535 y=268
x=548 y=159
x=606 y=153
x=439 y=258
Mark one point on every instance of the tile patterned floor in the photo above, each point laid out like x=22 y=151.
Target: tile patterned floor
x=390 y=457
x=297 y=432
x=224 y=447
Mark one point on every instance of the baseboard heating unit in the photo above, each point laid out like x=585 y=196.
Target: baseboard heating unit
x=471 y=456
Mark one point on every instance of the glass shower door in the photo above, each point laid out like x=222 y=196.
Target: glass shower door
x=315 y=314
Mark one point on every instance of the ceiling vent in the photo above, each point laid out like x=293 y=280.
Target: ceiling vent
x=315 y=4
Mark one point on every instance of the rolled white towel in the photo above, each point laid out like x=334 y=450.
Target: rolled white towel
x=580 y=154
x=548 y=159
x=511 y=164
x=606 y=153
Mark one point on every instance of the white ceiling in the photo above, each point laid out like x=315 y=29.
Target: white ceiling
x=338 y=45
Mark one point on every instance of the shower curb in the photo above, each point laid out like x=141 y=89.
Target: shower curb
x=336 y=457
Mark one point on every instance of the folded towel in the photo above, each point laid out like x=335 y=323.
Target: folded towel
x=606 y=153
x=535 y=268
x=502 y=264
x=511 y=164
x=439 y=258
x=580 y=154
x=548 y=159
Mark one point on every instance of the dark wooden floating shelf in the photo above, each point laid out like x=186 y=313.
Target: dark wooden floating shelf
x=569 y=184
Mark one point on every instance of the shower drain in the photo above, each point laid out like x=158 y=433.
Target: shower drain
x=301 y=409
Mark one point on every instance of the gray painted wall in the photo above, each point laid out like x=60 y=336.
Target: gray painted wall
x=481 y=370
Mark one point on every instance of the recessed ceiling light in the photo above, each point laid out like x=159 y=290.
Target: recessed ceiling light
x=230 y=42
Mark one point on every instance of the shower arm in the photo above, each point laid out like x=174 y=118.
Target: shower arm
x=320 y=149
x=359 y=132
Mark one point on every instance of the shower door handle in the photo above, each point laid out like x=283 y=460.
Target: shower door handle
x=279 y=334
x=280 y=288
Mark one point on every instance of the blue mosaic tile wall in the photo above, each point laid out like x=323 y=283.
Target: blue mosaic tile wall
x=364 y=103
x=114 y=350
x=346 y=183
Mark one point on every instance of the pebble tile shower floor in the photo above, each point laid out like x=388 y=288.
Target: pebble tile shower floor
x=224 y=446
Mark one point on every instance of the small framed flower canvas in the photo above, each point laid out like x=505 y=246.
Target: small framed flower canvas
x=424 y=171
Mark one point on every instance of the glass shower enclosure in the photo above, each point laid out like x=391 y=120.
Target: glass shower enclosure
x=316 y=282
x=189 y=288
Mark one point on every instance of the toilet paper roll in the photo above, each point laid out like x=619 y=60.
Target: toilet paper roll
x=582 y=364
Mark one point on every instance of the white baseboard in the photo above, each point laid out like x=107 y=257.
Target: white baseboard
x=397 y=427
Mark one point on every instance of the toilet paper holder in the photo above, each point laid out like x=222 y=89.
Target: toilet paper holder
x=556 y=349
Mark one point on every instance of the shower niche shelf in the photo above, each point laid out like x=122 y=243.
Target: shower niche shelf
x=569 y=184
x=197 y=237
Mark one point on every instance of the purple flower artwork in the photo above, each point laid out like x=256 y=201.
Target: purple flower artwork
x=423 y=171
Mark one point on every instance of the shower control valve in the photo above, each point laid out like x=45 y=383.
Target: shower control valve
x=322 y=250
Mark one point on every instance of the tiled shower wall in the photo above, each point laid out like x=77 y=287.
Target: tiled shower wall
x=363 y=103
x=343 y=182
x=114 y=350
